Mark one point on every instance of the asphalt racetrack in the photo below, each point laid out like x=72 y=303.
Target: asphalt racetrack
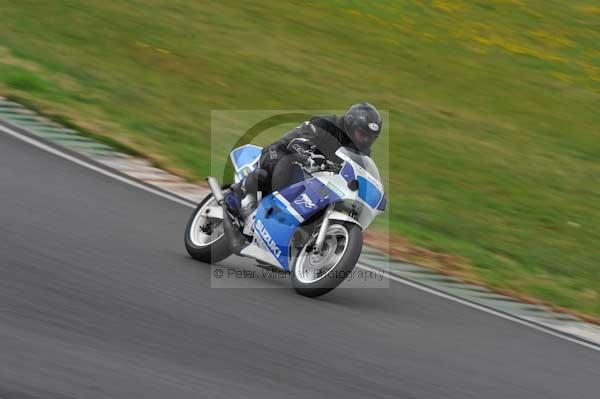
x=99 y=299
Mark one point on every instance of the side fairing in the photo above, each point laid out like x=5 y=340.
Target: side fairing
x=280 y=213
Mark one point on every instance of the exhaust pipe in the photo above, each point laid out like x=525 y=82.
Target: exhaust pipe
x=234 y=237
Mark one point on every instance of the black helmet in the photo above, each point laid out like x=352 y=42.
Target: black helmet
x=362 y=124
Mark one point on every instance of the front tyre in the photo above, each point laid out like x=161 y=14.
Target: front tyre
x=204 y=236
x=316 y=274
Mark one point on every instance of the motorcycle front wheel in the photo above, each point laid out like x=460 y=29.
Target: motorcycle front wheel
x=315 y=274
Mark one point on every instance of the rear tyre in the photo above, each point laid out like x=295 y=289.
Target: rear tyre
x=317 y=274
x=204 y=236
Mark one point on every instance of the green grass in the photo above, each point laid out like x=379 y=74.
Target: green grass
x=494 y=106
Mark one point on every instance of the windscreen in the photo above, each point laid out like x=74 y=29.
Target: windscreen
x=362 y=160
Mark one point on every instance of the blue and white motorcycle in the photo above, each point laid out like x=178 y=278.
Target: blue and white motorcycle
x=312 y=228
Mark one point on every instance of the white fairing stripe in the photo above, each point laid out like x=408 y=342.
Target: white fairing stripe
x=255 y=251
x=288 y=206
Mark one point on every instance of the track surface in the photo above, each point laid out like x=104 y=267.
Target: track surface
x=98 y=299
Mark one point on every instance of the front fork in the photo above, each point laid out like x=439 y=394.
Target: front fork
x=323 y=229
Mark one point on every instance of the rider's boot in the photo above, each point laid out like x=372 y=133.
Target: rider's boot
x=240 y=202
x=233 y=202
x=242 y=198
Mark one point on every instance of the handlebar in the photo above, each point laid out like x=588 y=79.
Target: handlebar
x=318 y=163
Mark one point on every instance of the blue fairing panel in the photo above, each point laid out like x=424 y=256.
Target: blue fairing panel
x=368 y=192
x=309 y=196
x=279 y=214
x=275 y=226
x=382 y=203
x=347 y=172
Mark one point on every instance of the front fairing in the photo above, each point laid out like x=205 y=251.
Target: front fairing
x=356 y=191
x=361 y=183
x=362 y=161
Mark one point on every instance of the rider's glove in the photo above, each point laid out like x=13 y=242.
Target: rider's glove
x=316 y=161
x=333 y=166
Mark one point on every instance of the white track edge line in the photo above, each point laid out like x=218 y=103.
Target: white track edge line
x=390 y=276
x=483 y=308
x=88 y=165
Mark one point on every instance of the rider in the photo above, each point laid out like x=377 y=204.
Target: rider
x=312 y=143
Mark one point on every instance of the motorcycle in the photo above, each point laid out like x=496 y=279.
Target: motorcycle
x=312 y=228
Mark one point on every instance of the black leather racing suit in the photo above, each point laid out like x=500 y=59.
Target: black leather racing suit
x=278 y=168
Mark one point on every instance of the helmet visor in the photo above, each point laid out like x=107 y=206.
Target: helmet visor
x=363 y=139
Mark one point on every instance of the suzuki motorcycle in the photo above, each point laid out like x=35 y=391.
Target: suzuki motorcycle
x=311 y=228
